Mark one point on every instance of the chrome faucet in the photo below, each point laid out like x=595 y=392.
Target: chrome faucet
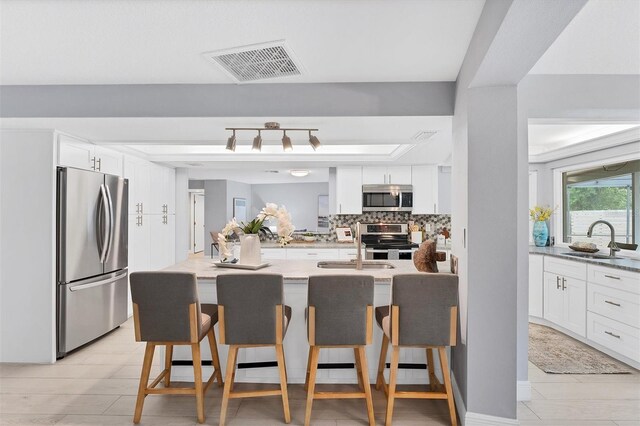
x=613 y=247
x=359 y=247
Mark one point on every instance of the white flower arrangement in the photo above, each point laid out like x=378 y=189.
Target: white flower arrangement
x=270 y=210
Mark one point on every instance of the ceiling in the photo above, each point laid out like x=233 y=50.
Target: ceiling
x=603 y=38
x=149 y=42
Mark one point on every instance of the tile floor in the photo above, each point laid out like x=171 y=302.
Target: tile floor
x=97 y=386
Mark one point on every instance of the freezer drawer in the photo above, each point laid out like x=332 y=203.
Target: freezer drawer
x=90 y=308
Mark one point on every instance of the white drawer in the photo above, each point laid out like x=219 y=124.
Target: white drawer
x=349 y=253
x=615 y=304
x=312 y=254
x=567 y=268
x=614 y=335
x=273 y=253
x=615 y=278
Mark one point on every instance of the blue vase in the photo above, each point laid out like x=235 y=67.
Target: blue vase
x=540 y=233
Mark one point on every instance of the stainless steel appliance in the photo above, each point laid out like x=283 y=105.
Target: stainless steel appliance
x=387 y=241
x=387 y=198
x=91 y=256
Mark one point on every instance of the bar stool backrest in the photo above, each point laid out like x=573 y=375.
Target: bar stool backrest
x=249 y=302
x=425 y=304
x=162 y=304
x=340 y=303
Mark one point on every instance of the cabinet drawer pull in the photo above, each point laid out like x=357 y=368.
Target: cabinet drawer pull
x=612 y=334
x=99 y=161
x=312 y=254
x=564 y=281
x=558 y=283
x=612 y=303
x=613 y=277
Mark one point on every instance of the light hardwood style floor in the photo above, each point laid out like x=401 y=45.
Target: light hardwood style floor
x=97 y=385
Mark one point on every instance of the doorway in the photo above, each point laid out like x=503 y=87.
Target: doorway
x=197 y=221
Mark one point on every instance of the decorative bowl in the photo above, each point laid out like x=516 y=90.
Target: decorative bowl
x=309 y=238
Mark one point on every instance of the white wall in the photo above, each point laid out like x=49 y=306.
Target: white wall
x=183 y=215
x=301 y=199
x=27 y=246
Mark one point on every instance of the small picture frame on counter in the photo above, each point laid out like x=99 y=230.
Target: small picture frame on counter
x=345 y=235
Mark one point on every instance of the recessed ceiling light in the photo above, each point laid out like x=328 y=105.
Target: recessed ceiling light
x=299 y=173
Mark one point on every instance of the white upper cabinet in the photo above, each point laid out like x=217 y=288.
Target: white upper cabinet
x=425 y=189
x=163 y=190
x=398 y=175
x=348 y=190
x=138 y=172
x=74 y=152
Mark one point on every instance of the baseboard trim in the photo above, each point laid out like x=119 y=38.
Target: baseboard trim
x=475 y=419
x=460 y=407
x=523 y=392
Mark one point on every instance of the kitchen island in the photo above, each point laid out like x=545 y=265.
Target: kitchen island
x=296 y=274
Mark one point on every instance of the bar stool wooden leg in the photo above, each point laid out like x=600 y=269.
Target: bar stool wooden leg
x=364 y=371
x=306 y=380
x=382 y=362
x=395 y=355
x=168 y=356
x=315 y=351
x=144 y=380
x=231 y=366
x=358 y=368
x=197 y=373
x=215 y=358
x=446 y=375
x=431 y=368
x=283 y=383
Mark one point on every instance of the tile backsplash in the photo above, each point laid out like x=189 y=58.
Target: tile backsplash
x=437 y=221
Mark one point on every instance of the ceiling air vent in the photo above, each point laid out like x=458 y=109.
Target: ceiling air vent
x=423 y=135
x=256 y=61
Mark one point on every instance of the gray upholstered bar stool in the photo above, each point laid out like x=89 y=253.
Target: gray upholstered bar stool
x=166 y=311
x=252 y=313
x=423 y=313
x=339 y=315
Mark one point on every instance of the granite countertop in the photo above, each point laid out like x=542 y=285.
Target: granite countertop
x=297 y=270
x=309 y=244
x=624 y=263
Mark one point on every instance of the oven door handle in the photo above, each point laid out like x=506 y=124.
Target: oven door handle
x=387 y=250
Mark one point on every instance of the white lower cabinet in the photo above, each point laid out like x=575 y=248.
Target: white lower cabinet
x=271 y=253
x=313 y=254
x=162 y=241
x=614 y=335
x=565 y=302
x=598 y=303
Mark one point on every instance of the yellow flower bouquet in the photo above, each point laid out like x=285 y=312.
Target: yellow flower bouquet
x=539 y=213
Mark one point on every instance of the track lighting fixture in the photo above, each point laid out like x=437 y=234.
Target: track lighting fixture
x=231 y=142
x=313 y=140
x=286 y=143
x=270 y=126
x=257 y=143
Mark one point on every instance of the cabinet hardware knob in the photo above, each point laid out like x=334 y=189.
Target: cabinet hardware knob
x=613 y=277
x=612 y=303
x=617 y=336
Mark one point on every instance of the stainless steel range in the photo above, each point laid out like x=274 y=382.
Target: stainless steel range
x=387 y=241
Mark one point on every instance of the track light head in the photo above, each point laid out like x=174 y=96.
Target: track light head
x=257 y=143
x=313 y=140
x=231 y=142
x=286 y=143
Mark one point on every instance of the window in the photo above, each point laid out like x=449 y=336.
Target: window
x=609 y=193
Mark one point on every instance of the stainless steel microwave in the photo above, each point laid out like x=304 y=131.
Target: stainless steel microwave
x=387 y=198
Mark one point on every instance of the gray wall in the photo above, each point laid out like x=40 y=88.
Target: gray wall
x=218 y=205
x=301 y=199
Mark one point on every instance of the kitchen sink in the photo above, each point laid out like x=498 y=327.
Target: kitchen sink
x=589 y=255
x=352 y=265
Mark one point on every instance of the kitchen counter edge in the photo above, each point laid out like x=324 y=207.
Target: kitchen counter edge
x=623 y=263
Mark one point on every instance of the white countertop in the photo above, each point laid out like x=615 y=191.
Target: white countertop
x=309 y=245
x=296 y=270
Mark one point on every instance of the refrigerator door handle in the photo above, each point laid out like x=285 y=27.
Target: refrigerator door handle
x=110 y=229
x=104 y=236
x=99 y=283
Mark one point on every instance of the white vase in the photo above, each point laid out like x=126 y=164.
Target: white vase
x=250 y=250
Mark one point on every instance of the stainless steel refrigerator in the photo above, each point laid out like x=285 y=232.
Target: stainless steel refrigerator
x=92 y=252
